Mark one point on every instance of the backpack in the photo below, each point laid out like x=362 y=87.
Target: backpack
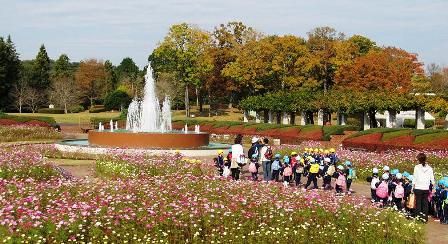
x=340 y=181
x=252 y=168
x=399 y=191
x=268 y=154
x=287 y=171
x=351 y=174
x=373 y=183
x=314 y=169
x=383 y=190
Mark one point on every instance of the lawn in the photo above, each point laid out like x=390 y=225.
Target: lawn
x=78 y=118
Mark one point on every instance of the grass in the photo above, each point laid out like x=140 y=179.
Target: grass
x=394 y=134
x=431 y=137
x=28 y=117
x=78 y=118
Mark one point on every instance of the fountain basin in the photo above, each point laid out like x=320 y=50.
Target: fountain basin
x=148 y=140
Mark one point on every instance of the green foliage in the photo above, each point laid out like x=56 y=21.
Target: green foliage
x=438 y=135
x=50 y=111
x=410 y=123
x=41 y=70
x=337 y=130
x=117 y=100
x=394 y=134
x=9 y=70
x=35 y=133
x=76 y=109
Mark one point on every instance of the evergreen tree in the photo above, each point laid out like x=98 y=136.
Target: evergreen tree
x=41 y=70
x=9 y=70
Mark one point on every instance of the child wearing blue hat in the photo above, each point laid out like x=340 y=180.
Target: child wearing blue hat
x=276 y=166
x=351 y=175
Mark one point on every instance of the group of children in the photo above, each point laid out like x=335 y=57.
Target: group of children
x=313 y=163
x=395 y=189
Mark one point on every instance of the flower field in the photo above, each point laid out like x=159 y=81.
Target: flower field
x=170 y=199
x=27 y=133
x=364 y=162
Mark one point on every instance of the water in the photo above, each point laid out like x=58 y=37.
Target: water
x=85 y=142
x=146 y=115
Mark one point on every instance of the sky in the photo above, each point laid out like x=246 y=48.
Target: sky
x=115 y=29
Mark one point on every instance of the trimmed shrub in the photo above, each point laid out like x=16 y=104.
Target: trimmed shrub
x=410 y=123
x=50 y=111
x=23 y=119
x=97 y=109
x=76 y=109
x=117 y=100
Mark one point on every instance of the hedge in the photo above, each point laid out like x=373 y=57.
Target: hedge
x=51 y=111
x=97 y=109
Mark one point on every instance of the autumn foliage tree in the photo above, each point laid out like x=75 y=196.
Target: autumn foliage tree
x=91 y=78
x=390 y=69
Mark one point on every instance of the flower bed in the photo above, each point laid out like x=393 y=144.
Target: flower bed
x=174 y=200
x=27 y=133
x=387 y=139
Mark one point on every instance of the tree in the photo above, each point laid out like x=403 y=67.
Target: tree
x=363 y=43
x=112 y=80
x=117 y=100
x=33 y=98
x=390 y=69
x=321 y=42
x=63 y=90
x=438 y=78
x=91 y=79
x=128 y=74
x=9 y=70
x=20 y=88
x=41 y=71
x=182 y=52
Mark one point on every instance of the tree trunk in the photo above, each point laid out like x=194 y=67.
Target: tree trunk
x=201 y=102
x=373 y=122
x=187 y=102
x=197 y=98
x=65 y=108
x=20 y=105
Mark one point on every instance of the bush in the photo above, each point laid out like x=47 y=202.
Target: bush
x=51 y=111
x=97 y=109
x=117 y=100
x=76 y=109
x=410 y=123
x=337 y=130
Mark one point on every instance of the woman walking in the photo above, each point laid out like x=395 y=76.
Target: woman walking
x=422 y=184
x=238 y=158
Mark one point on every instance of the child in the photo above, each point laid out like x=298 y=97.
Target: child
x=340 y=180
x=329 y=171
x=437 y=199
x=312 y=177
x=382 y=189
x=276 y=166
x=253 y=169
x=398 y=195
x=229 y=158
x=287 y=173
x=444 y=196
x=219 y=162
x=298 y=170
x=351 y=175
x=373 y=182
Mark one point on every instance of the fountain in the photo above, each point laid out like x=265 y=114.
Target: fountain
x=148 y=125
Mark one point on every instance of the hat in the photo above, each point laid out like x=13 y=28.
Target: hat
x=394 y=171
x=327 y=160
x=286 y=159
x=340 y=167
x=406 y=174
x=220 y=151
x=326 y=151
x=255 y=155
x=302 y=160
x=230 y=150
x=386 y=168
x=316 y=150
x=348 y=163
x=306 y=149
x=375 y=170
x=312 y=160
x=321 y=150
x=321 y=167
x=332 y=150
x=441 y=183
x=294 y=153
x=385 y=176
x=411 y=178
x=399 y=176
x=254 y=139
x=277 y=155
